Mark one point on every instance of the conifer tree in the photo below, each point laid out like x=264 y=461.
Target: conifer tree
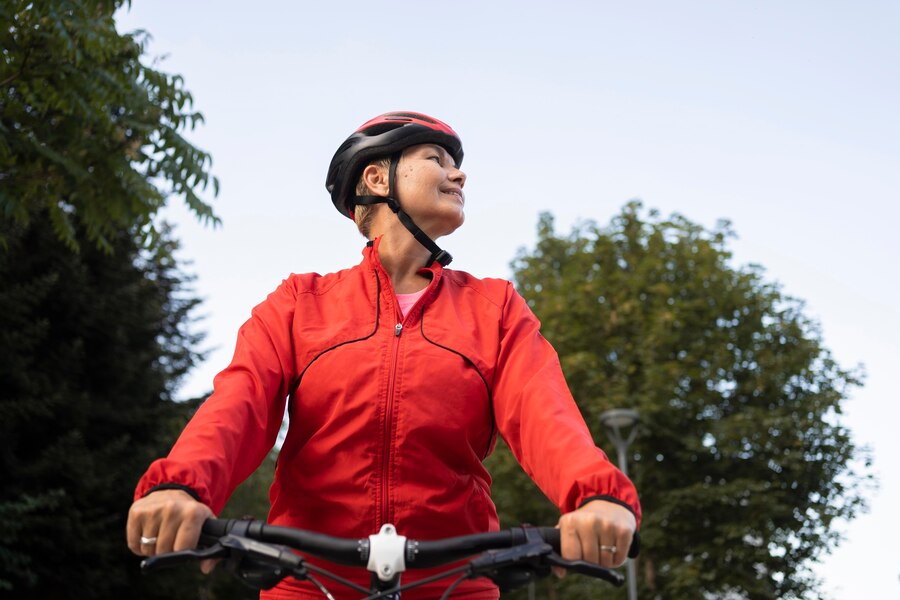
x=92 y=346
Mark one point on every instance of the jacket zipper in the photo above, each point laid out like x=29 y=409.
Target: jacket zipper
x=388 y=426
x=389 y=413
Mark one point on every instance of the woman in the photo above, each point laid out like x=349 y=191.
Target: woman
x=400 y=373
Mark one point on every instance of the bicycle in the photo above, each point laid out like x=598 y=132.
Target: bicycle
x=261 y=555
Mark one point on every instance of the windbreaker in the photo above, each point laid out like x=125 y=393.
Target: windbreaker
x=390 y=417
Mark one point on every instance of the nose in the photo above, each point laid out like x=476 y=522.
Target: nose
x=458 y=176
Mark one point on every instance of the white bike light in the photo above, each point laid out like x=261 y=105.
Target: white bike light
x=387 y=553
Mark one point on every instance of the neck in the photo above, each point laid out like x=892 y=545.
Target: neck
x=402 y=257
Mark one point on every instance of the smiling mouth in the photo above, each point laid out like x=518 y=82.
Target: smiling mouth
x=458 y=194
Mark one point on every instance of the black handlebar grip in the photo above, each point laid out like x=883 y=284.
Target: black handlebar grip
x=635 y=546
x=216 y=527
x=551 y=536
x=213 y=529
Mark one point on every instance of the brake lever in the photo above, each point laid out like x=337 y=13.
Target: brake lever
x=584 y=567
x=256 y=564
x=494 y=559
x=276 y=554
x=171 y=559
x=515 y=567
x=261 y=566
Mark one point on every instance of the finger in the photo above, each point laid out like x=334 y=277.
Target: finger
x=608 y=554
x=145 y=527
x=191 y=524
x=133 y=532
x=614 y=550
x=168 y=529
x=608 y=547
x=148 y=545
x=623 y=545
x=569 y=542
x=207 y=566
x=590 y=534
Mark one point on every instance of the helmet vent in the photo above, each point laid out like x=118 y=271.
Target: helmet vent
x=379 y=129
x=406 y=115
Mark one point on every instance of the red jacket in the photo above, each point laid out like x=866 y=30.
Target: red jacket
x=390 y=418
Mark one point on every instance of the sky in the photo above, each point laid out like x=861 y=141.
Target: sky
x=779 y=117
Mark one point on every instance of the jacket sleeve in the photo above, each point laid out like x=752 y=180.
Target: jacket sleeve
x=235 y=428
x=539 y=420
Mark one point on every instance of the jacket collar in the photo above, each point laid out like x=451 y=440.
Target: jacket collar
x=371 y=259
x=372 y=262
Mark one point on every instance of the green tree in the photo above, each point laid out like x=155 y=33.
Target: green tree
x=88 y=134
x=95 y=325
x=742 y=463
x=92 y=346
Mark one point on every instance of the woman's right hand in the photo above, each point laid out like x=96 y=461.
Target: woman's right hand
x=173 y=518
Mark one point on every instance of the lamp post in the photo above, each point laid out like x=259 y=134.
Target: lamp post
x=618 y=421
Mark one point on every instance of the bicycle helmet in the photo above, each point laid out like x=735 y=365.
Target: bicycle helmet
x=386 y=136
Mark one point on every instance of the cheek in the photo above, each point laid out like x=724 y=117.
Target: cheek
x=410 y=177
x=415 y=179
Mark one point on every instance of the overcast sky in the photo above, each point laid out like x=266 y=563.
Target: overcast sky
x=781 y=117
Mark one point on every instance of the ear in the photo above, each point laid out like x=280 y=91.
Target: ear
x=376 y=179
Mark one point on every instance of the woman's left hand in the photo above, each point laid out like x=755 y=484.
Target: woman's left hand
x=598 y=532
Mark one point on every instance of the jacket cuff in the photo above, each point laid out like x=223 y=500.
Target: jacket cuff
x=174 y=486
x=612 y=499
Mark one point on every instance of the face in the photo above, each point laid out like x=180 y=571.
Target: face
x=430 y=189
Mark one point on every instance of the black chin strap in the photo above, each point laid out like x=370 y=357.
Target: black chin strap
x=437 y=254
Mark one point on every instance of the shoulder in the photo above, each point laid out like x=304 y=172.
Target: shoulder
x=305 y=288
x=316 y=284
x=494 y=290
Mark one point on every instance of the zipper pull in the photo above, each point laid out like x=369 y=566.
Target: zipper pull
x=397 y=329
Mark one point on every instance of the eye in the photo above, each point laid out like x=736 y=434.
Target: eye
x=435 y=158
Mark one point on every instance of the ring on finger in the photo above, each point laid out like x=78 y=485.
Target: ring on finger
x=608 y=549
x=148 y=541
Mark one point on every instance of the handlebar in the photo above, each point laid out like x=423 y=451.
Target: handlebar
x=261 y=555
x=419 y=554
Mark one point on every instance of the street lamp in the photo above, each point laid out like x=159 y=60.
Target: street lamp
x=618 y=421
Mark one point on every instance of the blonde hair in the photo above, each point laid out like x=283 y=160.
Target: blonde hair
x=363 y=213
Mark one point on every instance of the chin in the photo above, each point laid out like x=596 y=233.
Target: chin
x=448 y=224
x=459 y=222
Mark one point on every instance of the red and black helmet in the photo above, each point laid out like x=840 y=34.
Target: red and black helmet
x=382 y=137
